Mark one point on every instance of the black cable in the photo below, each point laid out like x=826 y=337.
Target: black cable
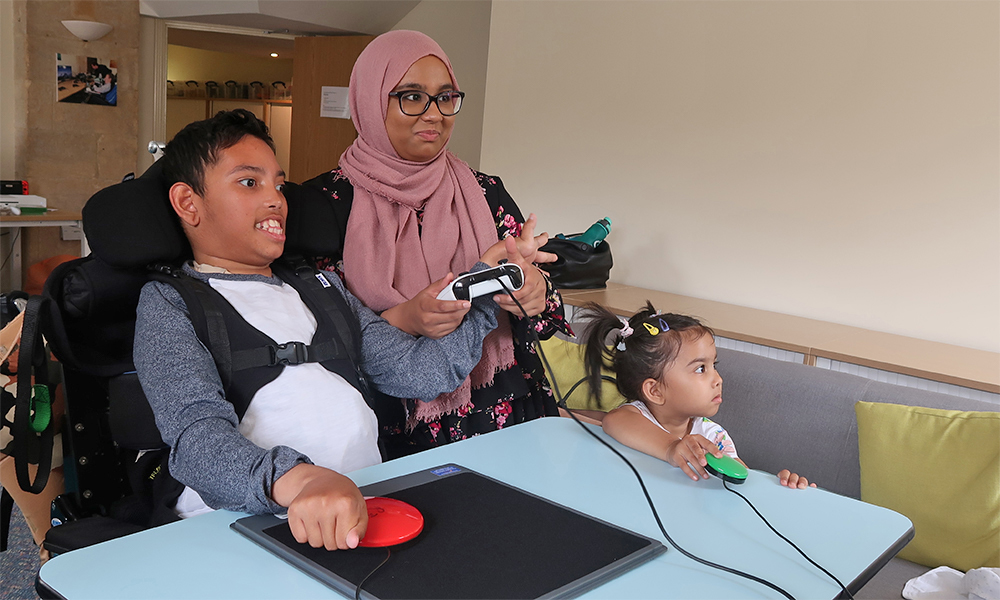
x=357 y=590
x=725 y=484
x=562 y=404
x=577 y=384
x=11 y=252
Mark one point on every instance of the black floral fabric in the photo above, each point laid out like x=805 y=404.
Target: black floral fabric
x=520 y=393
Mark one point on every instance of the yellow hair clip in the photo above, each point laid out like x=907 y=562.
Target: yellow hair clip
x=651 y=329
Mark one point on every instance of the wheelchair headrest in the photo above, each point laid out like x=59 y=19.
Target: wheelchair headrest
x=132 y=225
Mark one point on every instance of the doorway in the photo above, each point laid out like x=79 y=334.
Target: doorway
x=213 y=68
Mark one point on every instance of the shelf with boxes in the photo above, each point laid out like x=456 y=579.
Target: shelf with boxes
x=196 y=100
x=230 y=90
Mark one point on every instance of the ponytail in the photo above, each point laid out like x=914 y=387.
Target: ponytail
x=597 y=355
x=635 y=349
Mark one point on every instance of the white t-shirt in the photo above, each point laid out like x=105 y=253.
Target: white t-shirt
x=339 y=431
x=704 y=426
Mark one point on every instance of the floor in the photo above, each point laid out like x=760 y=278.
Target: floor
x=19 y=564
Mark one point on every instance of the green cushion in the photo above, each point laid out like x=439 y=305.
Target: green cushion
x=566 y=359
x=941 y=469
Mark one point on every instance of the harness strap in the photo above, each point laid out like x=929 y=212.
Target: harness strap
x=291 y=353
x=214 y=326
x=6 y=508
x=316 y=285
x=31 y=362
x=315 y=290
x=206 y=317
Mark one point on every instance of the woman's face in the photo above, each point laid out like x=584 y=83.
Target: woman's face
x=420 y=138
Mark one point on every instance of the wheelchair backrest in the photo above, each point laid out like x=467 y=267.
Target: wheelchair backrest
x=90 y=322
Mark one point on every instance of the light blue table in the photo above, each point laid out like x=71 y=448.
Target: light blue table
x=553 y=458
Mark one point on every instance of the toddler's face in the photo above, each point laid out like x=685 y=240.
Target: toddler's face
x=242 y=212
x=691 y=385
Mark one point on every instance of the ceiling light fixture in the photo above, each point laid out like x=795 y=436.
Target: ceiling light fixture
x=274 y=55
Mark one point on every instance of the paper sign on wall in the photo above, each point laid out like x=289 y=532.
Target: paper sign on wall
x=333 y=103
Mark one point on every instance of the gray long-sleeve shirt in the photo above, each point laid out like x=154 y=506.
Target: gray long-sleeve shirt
x=182 y=384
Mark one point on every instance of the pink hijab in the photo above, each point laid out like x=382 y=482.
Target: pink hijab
x=390 y=254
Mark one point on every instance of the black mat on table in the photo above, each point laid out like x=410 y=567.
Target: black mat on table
x=481 y=539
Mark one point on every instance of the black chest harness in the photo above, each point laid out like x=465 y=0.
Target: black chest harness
x=247 y=359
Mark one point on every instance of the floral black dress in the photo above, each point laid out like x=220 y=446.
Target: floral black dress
x=520 y=393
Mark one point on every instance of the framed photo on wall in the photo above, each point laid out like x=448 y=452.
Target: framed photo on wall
x=86 y=80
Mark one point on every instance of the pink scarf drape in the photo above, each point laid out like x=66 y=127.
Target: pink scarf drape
x=388 y=256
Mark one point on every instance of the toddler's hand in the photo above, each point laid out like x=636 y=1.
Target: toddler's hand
x=793 y=480
x=688 y=453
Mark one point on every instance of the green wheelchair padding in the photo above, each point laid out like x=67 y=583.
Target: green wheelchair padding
x=41 y=407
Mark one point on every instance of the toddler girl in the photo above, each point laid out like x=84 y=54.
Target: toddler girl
x=665 y=365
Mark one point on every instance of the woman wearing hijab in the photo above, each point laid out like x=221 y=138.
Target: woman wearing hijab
x=413 y=214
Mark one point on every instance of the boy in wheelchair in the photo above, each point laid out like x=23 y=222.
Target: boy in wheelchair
x=276 y=436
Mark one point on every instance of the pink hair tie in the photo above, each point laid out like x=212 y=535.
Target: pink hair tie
x=626 y=331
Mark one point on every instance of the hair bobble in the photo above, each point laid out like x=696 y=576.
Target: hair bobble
x=626 y=331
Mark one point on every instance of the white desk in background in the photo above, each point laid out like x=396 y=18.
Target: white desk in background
x=52 y=218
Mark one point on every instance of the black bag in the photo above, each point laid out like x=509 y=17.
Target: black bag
x=580 y=265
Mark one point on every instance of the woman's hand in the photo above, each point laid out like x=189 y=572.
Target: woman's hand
x=325 y=508
x=523 y=251
x=534 y=291
x=688 y=454
x=425 y=315
x=793 y=480
x=527 y=243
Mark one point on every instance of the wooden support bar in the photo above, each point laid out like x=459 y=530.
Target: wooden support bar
x=947 y=363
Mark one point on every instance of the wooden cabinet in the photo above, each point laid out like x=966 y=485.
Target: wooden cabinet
x=318 y=142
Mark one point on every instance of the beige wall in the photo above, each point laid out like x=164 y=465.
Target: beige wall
x=462 y=29
x=834 y=160
x=69 y=151
x=8 y=104
x=12 y=130
x=185 y=63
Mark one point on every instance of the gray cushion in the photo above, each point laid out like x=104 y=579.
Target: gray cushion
x=785 y=415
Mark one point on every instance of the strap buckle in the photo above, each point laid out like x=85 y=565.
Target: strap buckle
x=291 y=353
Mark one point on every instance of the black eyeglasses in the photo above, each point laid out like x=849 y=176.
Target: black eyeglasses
x=414 y=103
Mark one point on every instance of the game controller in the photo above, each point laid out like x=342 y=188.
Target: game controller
x=726 y=468
x=481 y=283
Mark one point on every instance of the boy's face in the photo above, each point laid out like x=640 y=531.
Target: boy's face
x=239 y=222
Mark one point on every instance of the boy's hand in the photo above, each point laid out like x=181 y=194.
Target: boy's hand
x=534 y=291
x=688 y=453
x=793 y=480
x=325 y=508
x=425 y=315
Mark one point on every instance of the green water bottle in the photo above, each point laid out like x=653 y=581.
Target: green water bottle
x=596 y=233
